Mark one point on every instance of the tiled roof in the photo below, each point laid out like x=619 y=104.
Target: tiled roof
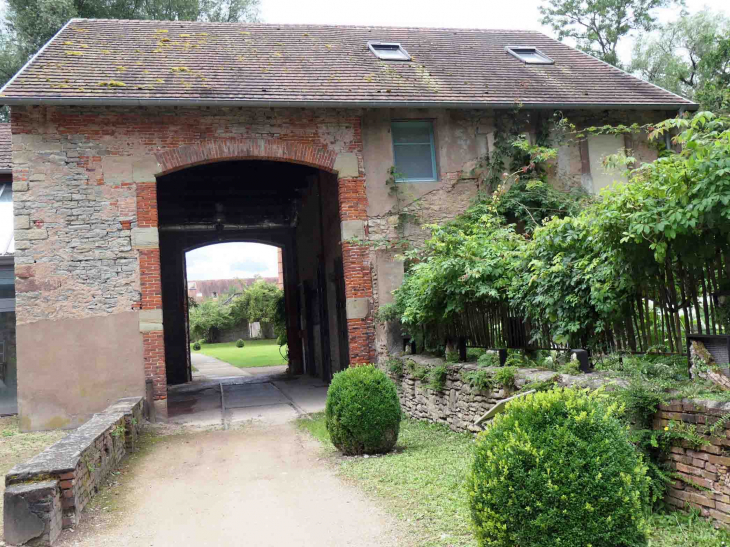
x=117 y=62
x=6 y=147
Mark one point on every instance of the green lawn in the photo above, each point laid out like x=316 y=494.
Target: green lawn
x=255 y=353
x=422 y=482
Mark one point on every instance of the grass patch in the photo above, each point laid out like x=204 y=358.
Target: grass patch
x=17 y=447
x=422 y=482
x=256 y=353
x=685 y=530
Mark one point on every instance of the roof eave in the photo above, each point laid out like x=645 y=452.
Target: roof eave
x=259 y=103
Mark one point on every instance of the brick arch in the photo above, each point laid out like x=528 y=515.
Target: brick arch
x=213 y=150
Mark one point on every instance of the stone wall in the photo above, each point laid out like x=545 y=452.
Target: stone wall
x=703 y=473
x=48 y=492
x=459 y=405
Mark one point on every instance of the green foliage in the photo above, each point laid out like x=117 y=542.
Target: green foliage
x=597 y=26
x=417 y=371
x=363 y=411
x=488 y=360
x=479 y=379
x=464 y=261
x=209 y=317
x=239 y=343
x=261 y=301
x=530 y=202
x=680 y=56
x=437 y=378
x=452 y=357
x=688 y=529
x=395 y=366
x=557 y=468
x=196 y=346
x=506 y=376
x=571 y=367
x=545 y=385
x=473 y=354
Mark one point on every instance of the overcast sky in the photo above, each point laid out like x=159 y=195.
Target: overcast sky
x=247 y=259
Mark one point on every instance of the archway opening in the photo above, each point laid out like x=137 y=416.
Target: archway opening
x=290 y=206
x=236 y=310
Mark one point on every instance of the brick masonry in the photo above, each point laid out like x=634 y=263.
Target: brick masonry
x=703 y=476
x=48 y=492
x=85 y=180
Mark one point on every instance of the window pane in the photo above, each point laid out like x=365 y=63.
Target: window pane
x=532 y=57
x=393 y=53
x=412 y=132
x=414 y=161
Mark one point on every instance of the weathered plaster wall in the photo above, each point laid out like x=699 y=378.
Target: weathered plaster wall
x=462 y=138
x=70 y=369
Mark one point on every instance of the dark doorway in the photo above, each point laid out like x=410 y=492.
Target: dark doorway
x=291 y=206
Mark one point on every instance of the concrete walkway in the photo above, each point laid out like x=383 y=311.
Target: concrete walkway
x=254 y=480
x=210 y=368
x=257 y=486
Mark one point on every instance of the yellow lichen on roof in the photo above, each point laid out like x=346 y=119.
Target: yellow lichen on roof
x=75 y=53
x=112 y=83
x=179 y=69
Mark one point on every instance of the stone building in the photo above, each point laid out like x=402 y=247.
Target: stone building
x=8 y=371
x=134 y=141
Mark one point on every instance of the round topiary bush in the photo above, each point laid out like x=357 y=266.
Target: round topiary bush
x=557 y=468
x=239 y=343
x=363 y=411
x=196 y=346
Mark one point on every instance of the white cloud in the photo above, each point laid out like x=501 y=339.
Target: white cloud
x=231 y=260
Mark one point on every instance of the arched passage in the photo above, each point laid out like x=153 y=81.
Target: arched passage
x=290 y=205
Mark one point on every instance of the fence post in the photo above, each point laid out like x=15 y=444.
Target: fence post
x=462 y=349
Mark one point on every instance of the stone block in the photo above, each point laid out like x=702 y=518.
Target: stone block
x=33 y=234
x=353 y=229
x=21 y=222
x=117 y=169
x=30 y=513
x=144 y=169
x=346 y=165
x=145 y=238
x=20 y=186
x=357 y=308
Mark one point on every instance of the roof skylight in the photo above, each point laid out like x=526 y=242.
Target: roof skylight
x=389 y=51
x=529 y=55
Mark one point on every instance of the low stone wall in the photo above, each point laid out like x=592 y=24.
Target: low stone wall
x=48 y=492
x=459 y=405
x=703 y=476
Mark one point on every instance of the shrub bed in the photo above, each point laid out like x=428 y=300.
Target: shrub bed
x=363 y=411
x=557 y=468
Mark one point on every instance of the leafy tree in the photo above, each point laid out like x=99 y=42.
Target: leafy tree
x=207 y=317
x=686 y=55
x=257 y=303
x=597 y=26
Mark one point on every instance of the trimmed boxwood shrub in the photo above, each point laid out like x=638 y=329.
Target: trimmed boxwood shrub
x=196 y=346
x=239 y=343
x=557 y=468
x=363 y=411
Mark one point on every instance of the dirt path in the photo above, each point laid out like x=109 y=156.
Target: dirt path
x=260 y=486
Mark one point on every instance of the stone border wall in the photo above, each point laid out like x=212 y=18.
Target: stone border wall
x=703 y=474
x=459 y=405
x=48 y=492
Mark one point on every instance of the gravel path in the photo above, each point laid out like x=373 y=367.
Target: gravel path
x=260 y=486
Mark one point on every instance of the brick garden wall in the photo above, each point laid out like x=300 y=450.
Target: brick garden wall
x=703 y=473
x=48 y=492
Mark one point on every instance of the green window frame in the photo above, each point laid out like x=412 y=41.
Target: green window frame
x=409 y=146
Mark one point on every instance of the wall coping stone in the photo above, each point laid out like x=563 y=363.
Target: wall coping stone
x=63 y=456
x=591 y=380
